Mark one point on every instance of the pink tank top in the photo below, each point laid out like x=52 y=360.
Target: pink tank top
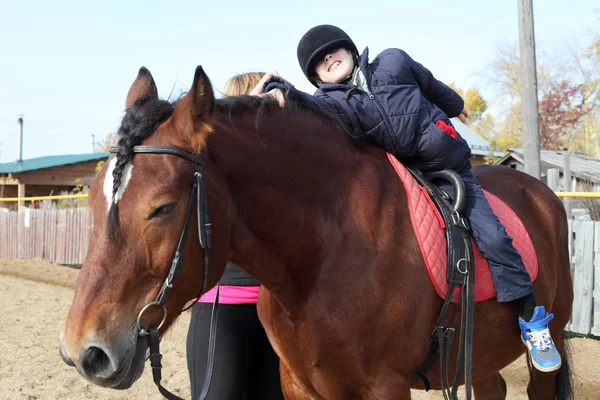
x=232 y=295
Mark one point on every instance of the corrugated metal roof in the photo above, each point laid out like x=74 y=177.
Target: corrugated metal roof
x=33 y=164
x=581 y=166
x=479 y=146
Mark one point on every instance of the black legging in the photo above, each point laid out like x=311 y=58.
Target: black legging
x=246 y=367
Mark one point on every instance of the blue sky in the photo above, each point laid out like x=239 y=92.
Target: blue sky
x=68 y=66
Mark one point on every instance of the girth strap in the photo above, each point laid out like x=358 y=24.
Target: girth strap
x=465 y=351
x=460 y=272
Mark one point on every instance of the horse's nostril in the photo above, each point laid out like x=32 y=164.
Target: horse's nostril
x=94 y=361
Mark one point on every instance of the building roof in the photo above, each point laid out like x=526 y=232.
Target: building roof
x=33 y=164
x=581 y=166
x=479 y=146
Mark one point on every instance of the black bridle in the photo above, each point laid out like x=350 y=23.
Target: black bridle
x=204 y=235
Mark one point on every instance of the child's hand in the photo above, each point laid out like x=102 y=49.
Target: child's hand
x=463 y=116
x=258 y=89
x=276 y=94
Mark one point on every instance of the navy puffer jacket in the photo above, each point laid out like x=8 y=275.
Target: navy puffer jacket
x=399 y=112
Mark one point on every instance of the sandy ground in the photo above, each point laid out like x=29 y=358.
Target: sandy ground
x=35 y=296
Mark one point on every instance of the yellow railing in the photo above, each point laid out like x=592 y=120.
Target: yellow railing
x=39 y=198
x=588 y=195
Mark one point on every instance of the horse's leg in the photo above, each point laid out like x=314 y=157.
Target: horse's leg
x=491 y=388
x=543 y=385
x=388 y=387
x=384 y=388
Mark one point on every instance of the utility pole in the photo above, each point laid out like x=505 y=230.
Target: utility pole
x=20 y=186
x=20 y=138
x=531 y=135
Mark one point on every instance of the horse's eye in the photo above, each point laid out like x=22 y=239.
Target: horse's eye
x=163 y=211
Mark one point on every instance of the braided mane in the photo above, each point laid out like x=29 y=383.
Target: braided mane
x=140 y=121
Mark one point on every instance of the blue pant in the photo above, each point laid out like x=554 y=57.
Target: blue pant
x=510 y=277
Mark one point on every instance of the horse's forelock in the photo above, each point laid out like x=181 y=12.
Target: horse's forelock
x=140 y=122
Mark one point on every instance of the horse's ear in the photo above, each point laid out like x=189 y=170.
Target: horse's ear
x=195 y=110
x=203 y=98
x=142 y=86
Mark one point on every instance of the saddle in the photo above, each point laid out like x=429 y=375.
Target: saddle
x=460 y=273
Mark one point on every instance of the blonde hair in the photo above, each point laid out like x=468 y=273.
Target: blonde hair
x=242 y=83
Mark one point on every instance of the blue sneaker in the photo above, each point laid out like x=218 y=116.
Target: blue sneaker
x=536 y=336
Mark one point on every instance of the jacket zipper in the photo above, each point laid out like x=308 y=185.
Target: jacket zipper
x=386 y=121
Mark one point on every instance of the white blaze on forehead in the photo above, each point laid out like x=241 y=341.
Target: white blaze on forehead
x=108 y=181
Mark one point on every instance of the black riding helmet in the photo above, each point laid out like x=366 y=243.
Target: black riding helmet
x=317 y=42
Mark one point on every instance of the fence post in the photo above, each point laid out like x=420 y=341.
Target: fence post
x=20 y=193
x=583 y=276
x=553 y=177
x=567 y=181
x=596 y=267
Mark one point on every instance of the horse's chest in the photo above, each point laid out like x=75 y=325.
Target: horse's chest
x=280 y=329
x=305 y=366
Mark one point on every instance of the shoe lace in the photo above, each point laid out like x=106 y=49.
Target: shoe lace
x=541 y=339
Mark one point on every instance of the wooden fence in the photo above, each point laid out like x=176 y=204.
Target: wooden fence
x=59 y=236
x=62 y=236
x=585 y=269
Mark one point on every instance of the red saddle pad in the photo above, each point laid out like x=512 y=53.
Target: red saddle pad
x=428 y=226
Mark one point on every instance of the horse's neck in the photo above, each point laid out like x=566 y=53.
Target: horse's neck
x=286 y=190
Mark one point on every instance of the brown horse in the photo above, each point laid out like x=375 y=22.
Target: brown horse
x=321 y=222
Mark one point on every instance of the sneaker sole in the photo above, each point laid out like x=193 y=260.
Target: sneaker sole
x=536 y=365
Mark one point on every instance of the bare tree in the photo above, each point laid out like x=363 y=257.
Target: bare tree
x=105 y=144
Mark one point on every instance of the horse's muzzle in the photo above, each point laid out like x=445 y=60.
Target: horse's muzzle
x=63 y=354
x=117 y=366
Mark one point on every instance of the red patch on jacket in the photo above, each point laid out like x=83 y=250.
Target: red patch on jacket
x=447 y=128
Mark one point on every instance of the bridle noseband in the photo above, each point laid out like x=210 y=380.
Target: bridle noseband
x=204 y=235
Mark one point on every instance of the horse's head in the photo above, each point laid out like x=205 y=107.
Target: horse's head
x=140 y=203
